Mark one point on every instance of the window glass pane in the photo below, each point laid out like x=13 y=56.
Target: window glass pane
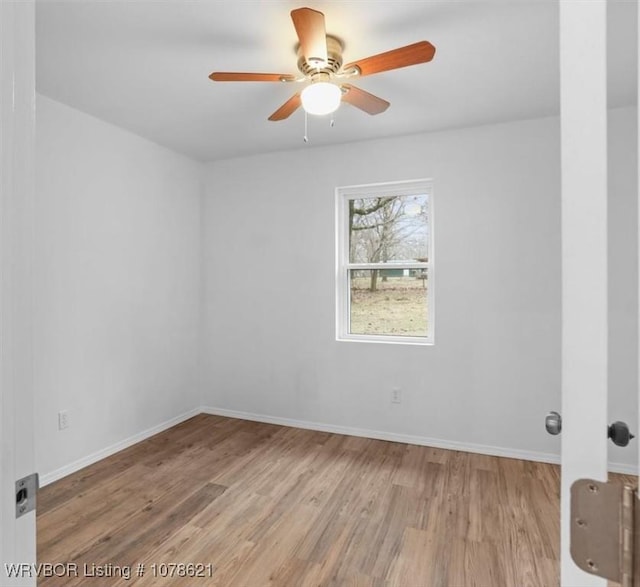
x=388 y=301
x=388 y=229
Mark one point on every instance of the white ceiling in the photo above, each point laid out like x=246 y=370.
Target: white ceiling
x=144 y=65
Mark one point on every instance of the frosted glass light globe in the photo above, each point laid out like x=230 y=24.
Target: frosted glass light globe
x=321 y=98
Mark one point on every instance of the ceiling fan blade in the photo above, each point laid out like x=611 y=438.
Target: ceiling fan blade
x=311 y=31
x=229 y=76
x=364 y=100
x=287 y=109
x=420 y=52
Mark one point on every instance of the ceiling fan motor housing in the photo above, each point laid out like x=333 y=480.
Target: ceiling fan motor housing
x=312 y=69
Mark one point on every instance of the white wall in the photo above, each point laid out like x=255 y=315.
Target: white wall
x=623 y=277
x=120 y=325
x=269 y=255
x=494 y=371
x=118 y=244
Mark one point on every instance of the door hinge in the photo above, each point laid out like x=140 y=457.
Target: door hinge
x=26 y=490
x=604 y=520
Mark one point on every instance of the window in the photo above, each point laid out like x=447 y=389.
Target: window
x=384 y=262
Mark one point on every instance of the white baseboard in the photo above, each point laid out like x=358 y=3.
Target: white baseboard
x=623 y=468
x=495 y=451
x=114 y=448
x=483 y=449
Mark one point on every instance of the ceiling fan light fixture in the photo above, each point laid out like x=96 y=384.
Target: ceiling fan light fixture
x=321 y=98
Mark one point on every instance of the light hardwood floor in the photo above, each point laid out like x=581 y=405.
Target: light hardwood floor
x=269 y=505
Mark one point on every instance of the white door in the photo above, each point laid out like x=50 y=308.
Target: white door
x=17 y=114
x=583 y=72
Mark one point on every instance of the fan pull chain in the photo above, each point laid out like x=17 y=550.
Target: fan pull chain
x=305 y=137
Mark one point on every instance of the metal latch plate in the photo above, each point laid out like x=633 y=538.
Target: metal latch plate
x=602 y=527
x=26 y=490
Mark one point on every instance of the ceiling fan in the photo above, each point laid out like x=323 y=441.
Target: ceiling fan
x=320 y=63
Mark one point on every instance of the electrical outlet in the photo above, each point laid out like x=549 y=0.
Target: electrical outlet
x=63 y=420
x=396 y=395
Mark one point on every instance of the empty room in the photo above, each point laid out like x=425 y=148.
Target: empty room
x=332 y=294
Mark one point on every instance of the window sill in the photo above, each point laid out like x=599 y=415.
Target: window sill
x=405 y=340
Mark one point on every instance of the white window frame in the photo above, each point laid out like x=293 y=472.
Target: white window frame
x=413 y=187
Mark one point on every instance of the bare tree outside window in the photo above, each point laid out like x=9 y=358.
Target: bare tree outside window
x=388 y=229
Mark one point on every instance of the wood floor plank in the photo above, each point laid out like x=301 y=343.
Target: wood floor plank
x=261 y=504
